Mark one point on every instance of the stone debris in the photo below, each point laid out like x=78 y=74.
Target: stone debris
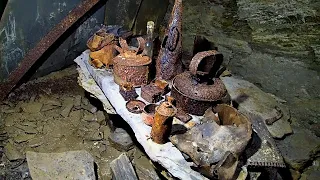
x=77 y=101
x=31 y=107
x=12 y=153
x=122 y=168
x=120 y=140
x=35 y=142
x=23 y=138
x=101 y=118
x=143 y=166
x=27 y=129
x=66 y=110
x=67 y=165
x=298 y=148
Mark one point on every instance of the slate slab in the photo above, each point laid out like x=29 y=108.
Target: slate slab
x=120 y=140
x=67 y=165
x=122 y=168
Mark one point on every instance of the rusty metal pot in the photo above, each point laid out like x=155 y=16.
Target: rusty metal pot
x=130 y=67
x=196 y=90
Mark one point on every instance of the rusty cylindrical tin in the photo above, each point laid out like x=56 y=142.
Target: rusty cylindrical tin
x=162 y=126
x=195 y=91
x=130 y=67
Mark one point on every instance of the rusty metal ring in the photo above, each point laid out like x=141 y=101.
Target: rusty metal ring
x=193 y=67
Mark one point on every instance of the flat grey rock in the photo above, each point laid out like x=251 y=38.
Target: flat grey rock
x=253 y=100
x=66 y=110
x=122 y=168
x=298 y=148
x=67 y=165
x=31 y=107
x=12 y=153
x=120 y=140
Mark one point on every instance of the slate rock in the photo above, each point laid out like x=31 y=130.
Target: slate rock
x=122 y=168
x=77 y=101
x=143 y=166
x=100 y=117
x=12 y=153
x=27 y=129
x=75 y=117
x=66 y=110
x=31 y=107
x=311 y=174
x=23 y=138
x=120 y=140
x=299 y=148
x=67 y=165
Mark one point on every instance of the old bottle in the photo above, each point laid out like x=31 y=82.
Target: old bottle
x=148 y=50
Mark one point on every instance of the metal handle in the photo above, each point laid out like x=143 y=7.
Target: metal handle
x=196 y=60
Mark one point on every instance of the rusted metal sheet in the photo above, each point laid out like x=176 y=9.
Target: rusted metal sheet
x=45 y=43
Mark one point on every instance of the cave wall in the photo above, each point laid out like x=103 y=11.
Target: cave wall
x=275 y=44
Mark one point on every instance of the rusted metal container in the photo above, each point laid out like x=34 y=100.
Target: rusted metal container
x=169 y=63
x=162 y=126
x=147 y=114
x=128 y=92
x=151 y=93
x=196 y=90
x=130 y=67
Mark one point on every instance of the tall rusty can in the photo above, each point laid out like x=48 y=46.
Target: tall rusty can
x=162 y=125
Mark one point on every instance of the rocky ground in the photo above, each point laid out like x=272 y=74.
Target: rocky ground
x=53 y=114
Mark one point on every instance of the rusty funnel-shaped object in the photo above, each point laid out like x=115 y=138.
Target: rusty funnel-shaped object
x=169 y=62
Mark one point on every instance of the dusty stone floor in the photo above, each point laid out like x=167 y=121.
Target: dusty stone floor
x=54 y=114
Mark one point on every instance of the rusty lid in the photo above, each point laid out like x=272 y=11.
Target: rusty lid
x=186 y=85
x=131 y=59
x=166 y=109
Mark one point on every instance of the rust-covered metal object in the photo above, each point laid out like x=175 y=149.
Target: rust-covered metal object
x=130 y=67
x=128 y=92
x=135 y=106
x=77 y=14
x=169 y=61
x=151 y=93
x=162 y=84
x=183 y=116
x=214 y=148
x=147 y=114
x=100 y=39
x=162 y=126
x=196 y=90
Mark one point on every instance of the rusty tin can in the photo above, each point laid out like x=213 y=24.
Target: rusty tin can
x=195 y=90
x=130 y=67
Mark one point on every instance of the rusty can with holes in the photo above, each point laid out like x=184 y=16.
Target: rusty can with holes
x=197 y=89
x=130 y=67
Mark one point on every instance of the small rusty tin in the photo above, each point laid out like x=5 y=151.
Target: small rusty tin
x=130 y=67
x=195 y=91
x=128 y=92
x=151 y=93
x=147 y=114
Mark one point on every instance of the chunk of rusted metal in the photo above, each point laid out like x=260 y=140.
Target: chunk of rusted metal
x=169 y=61
x=151 y=93
x=195 y=91
x=130 y=67
x=76 y=15
x=128 y=92
x=162 y=126
x=183 y=116
x=135 y=106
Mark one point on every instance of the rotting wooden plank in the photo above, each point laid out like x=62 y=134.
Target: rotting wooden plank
x=122 y=168
x=76 y=15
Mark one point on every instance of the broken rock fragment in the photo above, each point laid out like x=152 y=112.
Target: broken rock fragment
x=121 y=140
